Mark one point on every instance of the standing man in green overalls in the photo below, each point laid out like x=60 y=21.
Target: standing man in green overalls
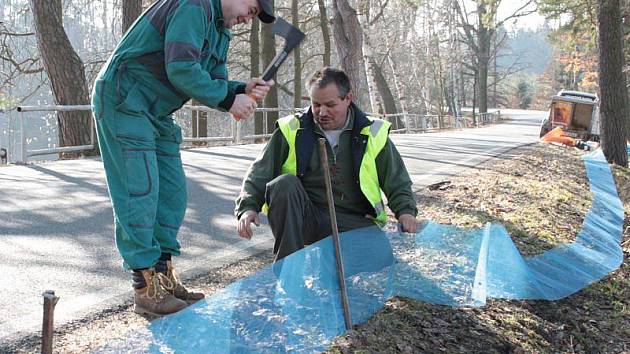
x=176 y=50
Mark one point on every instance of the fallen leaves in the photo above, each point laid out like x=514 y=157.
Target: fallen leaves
x=542 y=201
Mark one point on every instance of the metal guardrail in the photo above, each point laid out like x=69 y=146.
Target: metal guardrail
x=222 y=129
x=39 y=152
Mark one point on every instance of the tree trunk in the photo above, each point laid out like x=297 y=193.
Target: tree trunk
x=269 y=52
x=614 y=93
x=348 y=36
x=254 y=64
x=297 y=59
x=397 y=85
x=474 y=98
x=65 y=71
x=199 y=124
x=376 y=101
x=483 y=57
x=495 y=75
x=389 y=103
x=462 y=91
x=369 y=59
x=131 y=9
x=323 y=22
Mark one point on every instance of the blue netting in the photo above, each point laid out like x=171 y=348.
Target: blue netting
x=294 y=305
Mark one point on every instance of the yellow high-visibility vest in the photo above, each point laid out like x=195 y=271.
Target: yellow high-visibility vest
x=377 y=134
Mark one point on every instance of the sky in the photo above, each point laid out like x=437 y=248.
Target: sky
x=531 y=21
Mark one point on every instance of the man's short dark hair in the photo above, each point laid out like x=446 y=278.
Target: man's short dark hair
x=321 y=78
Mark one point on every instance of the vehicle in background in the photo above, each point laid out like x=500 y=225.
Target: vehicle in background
x=576 y=112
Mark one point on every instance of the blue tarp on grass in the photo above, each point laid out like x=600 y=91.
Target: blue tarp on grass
x=294 y=305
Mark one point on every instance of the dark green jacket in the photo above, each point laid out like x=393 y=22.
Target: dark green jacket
x=176 y=50
x=349 y=199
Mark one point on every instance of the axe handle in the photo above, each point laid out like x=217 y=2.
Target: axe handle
x=273 y=67
x=271 y=71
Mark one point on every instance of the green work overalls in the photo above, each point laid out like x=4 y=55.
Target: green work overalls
x=175 y=50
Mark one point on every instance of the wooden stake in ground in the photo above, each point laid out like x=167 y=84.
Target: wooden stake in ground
x=50 y=300
x=335 y=233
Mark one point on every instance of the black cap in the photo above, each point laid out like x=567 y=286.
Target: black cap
x=266 y=12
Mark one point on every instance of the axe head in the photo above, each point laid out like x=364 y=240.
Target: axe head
x=292 y=38
x=291 y=35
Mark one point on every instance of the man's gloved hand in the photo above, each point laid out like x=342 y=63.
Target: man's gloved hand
x=258 y=88
x=408 y=223
x=243 y=106
x=244 y=226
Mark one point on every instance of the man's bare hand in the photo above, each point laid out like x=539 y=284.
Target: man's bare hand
x=408 y=223
x=258 y=88
x=243 y=106
x=244 y=226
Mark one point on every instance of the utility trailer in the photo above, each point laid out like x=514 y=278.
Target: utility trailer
x=576 y=112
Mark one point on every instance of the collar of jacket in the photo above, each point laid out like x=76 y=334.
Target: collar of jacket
x=306 y=141
x=218 y=20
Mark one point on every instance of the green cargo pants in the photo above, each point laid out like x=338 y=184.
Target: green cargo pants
x=145 y=177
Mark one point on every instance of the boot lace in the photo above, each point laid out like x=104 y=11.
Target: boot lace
x=157 y=287
x=172 y=281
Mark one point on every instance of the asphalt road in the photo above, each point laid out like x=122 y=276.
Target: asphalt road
x=56 y=228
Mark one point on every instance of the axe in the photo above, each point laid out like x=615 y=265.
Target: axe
x=292 y=38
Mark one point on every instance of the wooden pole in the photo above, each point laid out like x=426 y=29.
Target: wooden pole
x=335 y=233
x=50 y=300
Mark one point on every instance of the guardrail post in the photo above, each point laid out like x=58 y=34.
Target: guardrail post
x=92 y=140
x=233 y=128
x=265 y=127
x=23 y=157
x=239 y=126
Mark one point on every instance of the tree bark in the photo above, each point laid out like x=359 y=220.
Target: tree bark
x=269 y=52
x=389 y=103
x=348 y=36
x=254 y=64
x=614 y=93
x=65 y=71
x=199 y=124
x=483 y=57
x=131 y=9
x=297 y=59
x=402 y=99
x=376 y=101
x=323 y=22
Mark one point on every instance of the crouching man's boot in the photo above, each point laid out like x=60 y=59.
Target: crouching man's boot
x=175 y=286
x=151 y=297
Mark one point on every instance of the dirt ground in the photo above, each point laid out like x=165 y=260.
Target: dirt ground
x=540 y=196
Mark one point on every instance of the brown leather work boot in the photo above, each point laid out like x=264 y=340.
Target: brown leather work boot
x=154 y=299
x=175 y=286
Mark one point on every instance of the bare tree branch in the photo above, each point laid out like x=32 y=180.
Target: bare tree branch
x=517 y=13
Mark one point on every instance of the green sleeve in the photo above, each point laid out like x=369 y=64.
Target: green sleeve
x=267 y=166
x=237 y=86
x=395 y=181
x=184 y=40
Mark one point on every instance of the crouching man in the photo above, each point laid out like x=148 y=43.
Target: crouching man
x=288 y=182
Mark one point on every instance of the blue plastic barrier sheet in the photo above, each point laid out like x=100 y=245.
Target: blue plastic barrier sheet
x=294 y=305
